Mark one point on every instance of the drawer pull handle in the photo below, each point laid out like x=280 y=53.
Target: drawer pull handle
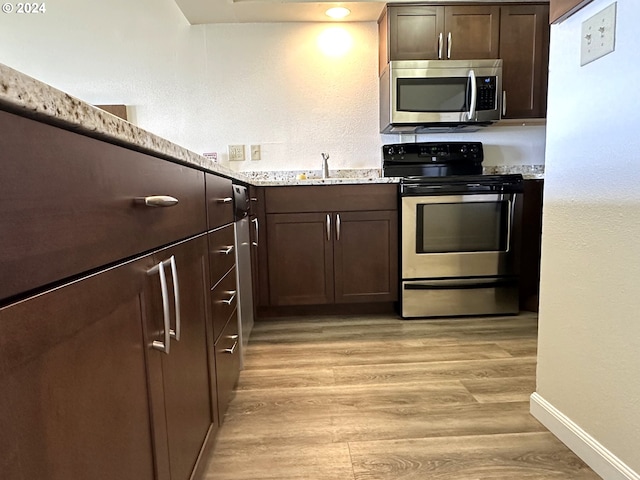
x=255 y=221
x=234 y=336
x=160 y=201
x=226 y=250
x=230 y=300
x=225 y=200
x=231 y=350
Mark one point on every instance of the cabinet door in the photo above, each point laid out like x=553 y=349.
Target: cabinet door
x=179 y=380
x=73 y=387
x=472 y=32
x=524 y=48
x=300 y=256
x=366 y=256
x=415 y=33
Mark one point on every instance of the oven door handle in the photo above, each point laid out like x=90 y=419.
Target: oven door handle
x=467 y=284
x=512 y=213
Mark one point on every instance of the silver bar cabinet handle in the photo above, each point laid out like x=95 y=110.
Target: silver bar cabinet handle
x=338 y=223
x=232 y=349
x=449 y=43
x=163 y=346
x=225 y=200
x=226 y=250
x=229 y=300
x=440 y=46
x=504 y=103
x=176 y=298
x=160 y=201
x=328 y=227
x=255 y=220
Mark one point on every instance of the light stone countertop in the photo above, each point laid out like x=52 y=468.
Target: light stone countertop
x=26 y=96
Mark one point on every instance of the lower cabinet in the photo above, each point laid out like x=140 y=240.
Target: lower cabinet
x=74 y=398
x=334 y=257
x=178 y=376
x=86 y=391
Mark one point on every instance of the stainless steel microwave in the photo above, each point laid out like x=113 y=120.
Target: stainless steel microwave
x=421 y=95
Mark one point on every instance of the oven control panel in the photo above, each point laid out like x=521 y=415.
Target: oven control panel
x=425 y=152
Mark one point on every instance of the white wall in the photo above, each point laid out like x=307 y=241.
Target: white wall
x=205 y=87
x=141 y=53
x=589 y=337
x=271 y=84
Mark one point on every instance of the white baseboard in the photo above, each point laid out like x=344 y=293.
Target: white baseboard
x=601 y=460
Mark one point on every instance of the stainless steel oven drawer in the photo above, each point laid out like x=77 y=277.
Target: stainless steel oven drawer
x=457 y=297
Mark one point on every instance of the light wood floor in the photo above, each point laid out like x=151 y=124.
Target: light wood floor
x=378 y=398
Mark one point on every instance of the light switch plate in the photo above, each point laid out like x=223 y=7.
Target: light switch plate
x=255 y=152
x=598 y=35
x=236 y=153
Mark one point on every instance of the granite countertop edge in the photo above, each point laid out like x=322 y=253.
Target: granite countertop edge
x=26 y=96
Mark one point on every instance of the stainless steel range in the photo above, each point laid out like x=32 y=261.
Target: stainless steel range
x=459 y=231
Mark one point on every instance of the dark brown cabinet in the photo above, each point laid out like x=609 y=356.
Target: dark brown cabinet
x=222 y=294
x=524 y=48
x=531 y=245
x=70 y=203
x=426 y=32
x=365 y=267
x=107 y=357
x=561 y=9
x=179 y=378
x=519 y=34
x=227 y=355
x=340 y=248
x=74 y=401
x=300 y=247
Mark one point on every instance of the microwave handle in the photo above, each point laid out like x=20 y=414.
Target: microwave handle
x=474 y=95
x=504 y=103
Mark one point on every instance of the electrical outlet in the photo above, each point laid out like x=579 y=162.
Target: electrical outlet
x=236 y=153
x=598 y=35
x=255 y=152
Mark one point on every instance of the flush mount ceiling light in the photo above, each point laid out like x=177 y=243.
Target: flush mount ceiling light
x=337 y=12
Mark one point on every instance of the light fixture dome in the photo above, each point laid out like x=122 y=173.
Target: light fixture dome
x=338 y=12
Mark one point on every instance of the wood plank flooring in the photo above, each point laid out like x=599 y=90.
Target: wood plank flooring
x=379 y=398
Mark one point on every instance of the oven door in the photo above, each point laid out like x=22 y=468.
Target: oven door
x=450 y=236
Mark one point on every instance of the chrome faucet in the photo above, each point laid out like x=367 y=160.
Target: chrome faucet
x=325 y=165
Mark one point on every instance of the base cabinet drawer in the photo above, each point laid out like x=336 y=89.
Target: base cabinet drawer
x=224 y=300
x=227 y=351
x=222 y=254
x=70 y=204
x=219 y=200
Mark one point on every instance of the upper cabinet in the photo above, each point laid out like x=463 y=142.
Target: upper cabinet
x=561 y=9
x=440 y=33
x=524 y=49
x=519 y=34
